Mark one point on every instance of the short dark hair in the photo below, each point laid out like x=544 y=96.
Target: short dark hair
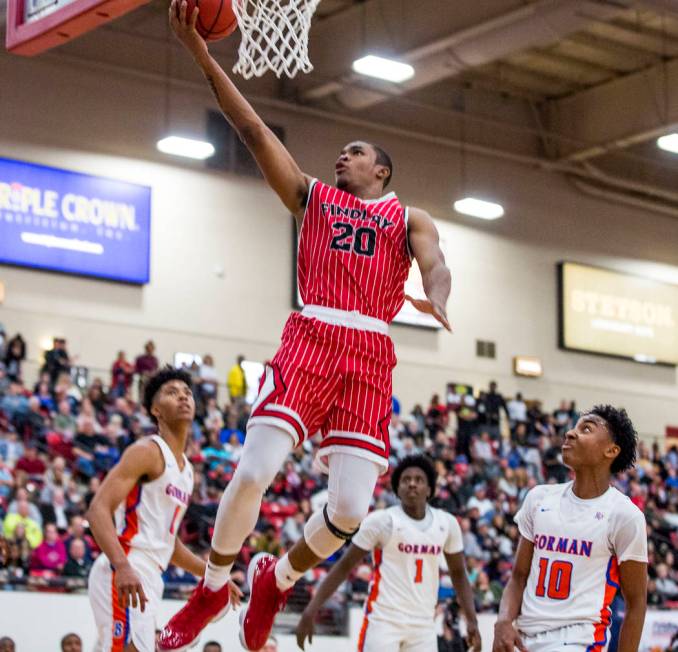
x=384 y=159
x=212 y=643
x=623 y=434
x=421 y=462
x=157 y=380
x=65 y=638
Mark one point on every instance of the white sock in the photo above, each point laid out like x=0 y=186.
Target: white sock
x=285 y=575
x=216 y=576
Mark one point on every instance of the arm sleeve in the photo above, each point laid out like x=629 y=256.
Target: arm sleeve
x=525 y=517
x=374 y=532
x=453 y=543
x=629 y=540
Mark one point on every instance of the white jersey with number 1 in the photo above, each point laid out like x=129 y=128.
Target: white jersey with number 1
x=578 y=547
x=404 y=588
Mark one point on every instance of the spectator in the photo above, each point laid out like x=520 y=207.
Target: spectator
x=31 y=464
x=268 y=542
x=71 y=643
x=22 y=495
x=237 y=382
x=208 y=378
x=57 y=360
x=667 y=587
x=482 y=449
x=146 y=364
x=15 y=354
x=50 y=555
x=44 y=394
x=517 y=410
x=34 y=423
x=21 y=519
x=57 y=509
x=14 y=404
x=64 y=421
x=78 y=530
x=122 y=372
x=11 y=449
x=6 y=481
x=86 y=445
x=480 y=501
x=77 y=564
x=57 y=476
x=494 y=402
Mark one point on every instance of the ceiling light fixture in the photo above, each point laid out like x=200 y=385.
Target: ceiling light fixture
x=668 y=143
x=485 y=210
x=388 y=69
x=188 y=147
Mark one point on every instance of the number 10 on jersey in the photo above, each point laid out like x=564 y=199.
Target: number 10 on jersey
x=554 y=582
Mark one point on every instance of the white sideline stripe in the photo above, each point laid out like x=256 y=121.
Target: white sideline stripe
x=54 y=242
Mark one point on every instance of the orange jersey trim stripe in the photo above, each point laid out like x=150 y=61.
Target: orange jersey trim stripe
x=131 y=528
x=611 y=587
x=374 y=594
x=120 y=624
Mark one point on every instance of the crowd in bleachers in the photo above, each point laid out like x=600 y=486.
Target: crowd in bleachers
x=58 y=439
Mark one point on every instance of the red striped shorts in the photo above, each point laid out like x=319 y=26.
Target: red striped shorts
x=334 y=380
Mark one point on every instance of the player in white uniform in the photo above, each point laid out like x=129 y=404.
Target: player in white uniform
x=579 y=542
x=406 y=543
x=147 y=492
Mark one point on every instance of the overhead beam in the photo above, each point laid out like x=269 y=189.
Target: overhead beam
x=616 y=115
x=539 y=24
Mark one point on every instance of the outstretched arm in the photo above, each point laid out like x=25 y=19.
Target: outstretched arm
x=457 y=568
x=506 y=638
x=633 y=580
x=277 y=165
x=425 y=246
x=327 y=587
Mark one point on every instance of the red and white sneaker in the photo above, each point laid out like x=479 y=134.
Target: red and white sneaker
x=266 y=600
x=183 y=630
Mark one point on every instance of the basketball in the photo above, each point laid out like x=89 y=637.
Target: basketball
x=216 y=19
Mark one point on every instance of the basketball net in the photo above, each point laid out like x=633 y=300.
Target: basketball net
x=274 y=36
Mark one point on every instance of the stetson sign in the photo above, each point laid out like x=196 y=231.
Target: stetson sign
x=607 y=312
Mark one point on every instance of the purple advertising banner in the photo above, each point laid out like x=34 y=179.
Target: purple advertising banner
x=75 y=223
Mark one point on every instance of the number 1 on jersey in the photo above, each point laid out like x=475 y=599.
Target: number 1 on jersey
x=174 y=519
x=419 y=576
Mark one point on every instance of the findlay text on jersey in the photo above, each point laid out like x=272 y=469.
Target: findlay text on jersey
x=334 y=210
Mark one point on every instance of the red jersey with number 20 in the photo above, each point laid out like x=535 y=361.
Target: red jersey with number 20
x=353 y=253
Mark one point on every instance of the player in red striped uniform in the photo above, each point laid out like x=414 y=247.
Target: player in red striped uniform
x=579 y=542
x=135 y=516
x=332 y=373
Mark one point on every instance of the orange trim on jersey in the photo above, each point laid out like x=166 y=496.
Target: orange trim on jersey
x=611 y=586
x=374 y=594
x=120 y=624
x=131 y=528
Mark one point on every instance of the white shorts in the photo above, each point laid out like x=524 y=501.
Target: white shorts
x=386 y=636
x=116 y=626
x=573 y=638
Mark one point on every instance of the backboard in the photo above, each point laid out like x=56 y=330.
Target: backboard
x=34 y=26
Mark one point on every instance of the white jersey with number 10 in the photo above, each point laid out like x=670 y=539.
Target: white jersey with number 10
x=578 y=547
